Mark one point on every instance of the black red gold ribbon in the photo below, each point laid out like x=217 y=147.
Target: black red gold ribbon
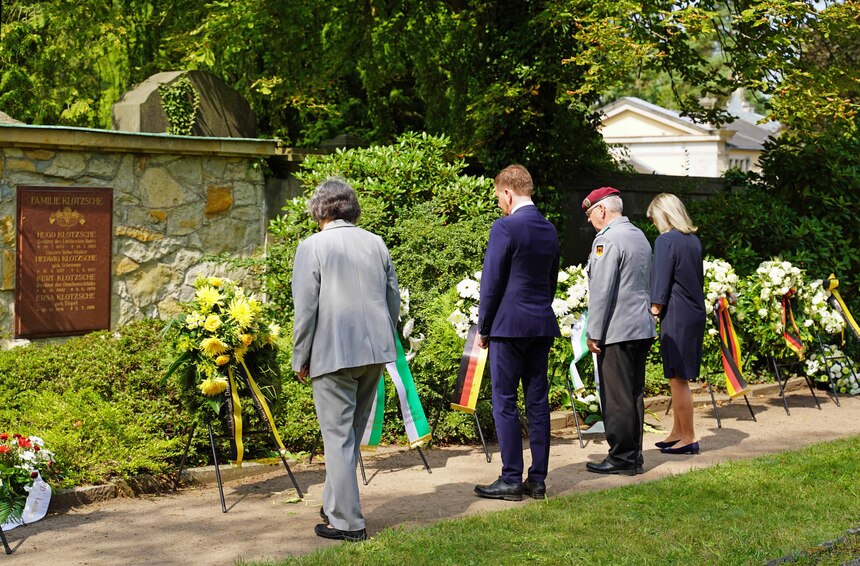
x=234 y=417
x=792 y=336
x=730 y=349
x=471 y=372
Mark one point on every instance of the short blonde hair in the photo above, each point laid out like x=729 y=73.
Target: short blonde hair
x=667 y=211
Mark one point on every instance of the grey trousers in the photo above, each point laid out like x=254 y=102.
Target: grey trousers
x=343 y=400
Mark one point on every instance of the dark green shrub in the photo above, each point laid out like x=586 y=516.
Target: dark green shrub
x=97 y=402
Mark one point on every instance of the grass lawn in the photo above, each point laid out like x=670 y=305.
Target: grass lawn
x=745 y=512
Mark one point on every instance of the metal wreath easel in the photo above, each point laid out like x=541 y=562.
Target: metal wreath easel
x=714 y=402
x=5 y=542
x=217 y=468
x=361 y=460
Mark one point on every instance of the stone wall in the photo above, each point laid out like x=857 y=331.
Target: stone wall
x=175 y=200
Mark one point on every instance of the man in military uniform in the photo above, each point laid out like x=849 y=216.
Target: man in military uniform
x=620 y=327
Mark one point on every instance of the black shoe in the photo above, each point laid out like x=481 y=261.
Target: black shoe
x=323 y=516
x=668 y=444
x=607 y=467
x=687 y=449
x=500 y=489
x=537 y=489
x=327 y=531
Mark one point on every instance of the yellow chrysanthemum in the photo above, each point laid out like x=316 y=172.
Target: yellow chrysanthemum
x=213 y=323
x=213 y=386
x=215 y=281
x=222 y=359
x=213 y=346
x=241 y=311
x=246 y=339
x=208 y=296
x=239 y=353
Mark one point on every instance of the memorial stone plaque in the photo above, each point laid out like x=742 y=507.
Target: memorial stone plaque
x=63 y=269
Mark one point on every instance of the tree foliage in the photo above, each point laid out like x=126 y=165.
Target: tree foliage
x=802 y=56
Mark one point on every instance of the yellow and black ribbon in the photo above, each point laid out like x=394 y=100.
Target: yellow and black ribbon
x=263 y=408
x=234 y=418
x=730 y=349
x=792 y=336
x=830 y=284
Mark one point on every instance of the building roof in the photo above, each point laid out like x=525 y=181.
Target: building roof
x=748 y=132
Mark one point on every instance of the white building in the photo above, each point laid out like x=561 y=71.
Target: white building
x=653 y=139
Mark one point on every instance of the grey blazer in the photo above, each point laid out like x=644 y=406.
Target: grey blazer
x=346 y=300
x=619 y=285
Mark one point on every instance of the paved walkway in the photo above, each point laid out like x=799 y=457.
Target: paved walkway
x=188 y=527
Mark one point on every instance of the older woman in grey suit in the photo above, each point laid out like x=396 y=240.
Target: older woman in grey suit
x=346 y=310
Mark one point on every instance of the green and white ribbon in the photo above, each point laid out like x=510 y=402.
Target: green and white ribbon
x=417 y=428
x=579 y=341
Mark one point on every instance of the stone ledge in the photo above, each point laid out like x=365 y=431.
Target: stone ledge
x=64 y=500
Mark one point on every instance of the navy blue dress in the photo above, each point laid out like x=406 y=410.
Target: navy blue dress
x=677 y=280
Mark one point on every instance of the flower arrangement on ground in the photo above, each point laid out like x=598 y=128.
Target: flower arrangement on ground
x=23 y=460
x=844 y=371
x=227 y=345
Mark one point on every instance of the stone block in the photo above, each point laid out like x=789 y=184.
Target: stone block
x=7 y=230
x=103 y=166
x=158 y=215
x=218 y=200
x=7 y=266
x=185 y=220
x=248 y=193
x=64 y=499
x=138 y=233
x=150 y=283
x=68 y=165
x=125 y=265
x=39 y=154
x=222 y=112
x=159 y=190
x=188 y=171
x=19 y=165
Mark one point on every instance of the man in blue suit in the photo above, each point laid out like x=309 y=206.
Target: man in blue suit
x=516 y=321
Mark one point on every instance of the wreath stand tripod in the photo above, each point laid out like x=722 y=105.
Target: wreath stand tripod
x=361 y=460
x=714 y=402
x=217 y=466
x=5 y=542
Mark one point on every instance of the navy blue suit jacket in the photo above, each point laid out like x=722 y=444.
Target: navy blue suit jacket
x=519 y=277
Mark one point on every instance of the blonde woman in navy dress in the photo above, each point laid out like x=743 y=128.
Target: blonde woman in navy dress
x=677 y=300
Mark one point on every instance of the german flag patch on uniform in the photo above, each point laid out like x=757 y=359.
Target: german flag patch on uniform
x=598 y=250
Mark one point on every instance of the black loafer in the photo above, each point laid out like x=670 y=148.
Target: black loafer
x=323 y=516
x=537 y=489
x=500 y=489
x=327 y=531
x=607 y=467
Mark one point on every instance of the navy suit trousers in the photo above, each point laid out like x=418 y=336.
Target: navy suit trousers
x=513 y=360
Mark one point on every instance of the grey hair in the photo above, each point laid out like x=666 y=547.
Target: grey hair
x=334 y=199
x=613 y=204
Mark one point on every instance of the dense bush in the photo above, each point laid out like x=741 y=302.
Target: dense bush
x=96 y=401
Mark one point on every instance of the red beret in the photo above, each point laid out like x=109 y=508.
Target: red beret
x=598 y=195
